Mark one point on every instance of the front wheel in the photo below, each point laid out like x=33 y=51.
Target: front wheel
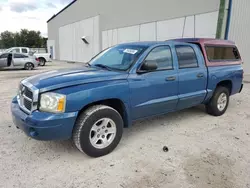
x=219 y=102
x=98 y=130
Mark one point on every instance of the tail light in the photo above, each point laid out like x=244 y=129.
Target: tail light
x=37 y=59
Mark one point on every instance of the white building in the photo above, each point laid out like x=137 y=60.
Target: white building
x=103 y=23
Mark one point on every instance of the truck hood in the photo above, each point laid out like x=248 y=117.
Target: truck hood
x=69 y=77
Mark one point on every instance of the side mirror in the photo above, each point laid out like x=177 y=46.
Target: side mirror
x=148 y=66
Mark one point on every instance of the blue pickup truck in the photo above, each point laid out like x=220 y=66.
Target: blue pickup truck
x=93 y=103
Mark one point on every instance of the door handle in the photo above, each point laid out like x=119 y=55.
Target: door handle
x=200 y=75
x=171 y=78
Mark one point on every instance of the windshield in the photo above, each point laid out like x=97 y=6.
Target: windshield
x=119 y=57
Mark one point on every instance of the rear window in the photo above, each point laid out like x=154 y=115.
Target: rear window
x=220 y=53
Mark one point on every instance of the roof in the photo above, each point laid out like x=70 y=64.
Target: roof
x=142 y=43
x=210 y=41
x=203 y=41
x=55 y=15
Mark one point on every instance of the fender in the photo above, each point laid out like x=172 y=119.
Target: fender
x=80 y=96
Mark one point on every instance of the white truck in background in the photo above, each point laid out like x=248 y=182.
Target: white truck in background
x=43 y=57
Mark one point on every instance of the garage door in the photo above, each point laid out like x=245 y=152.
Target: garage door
x=72 y=47
x=201 y=25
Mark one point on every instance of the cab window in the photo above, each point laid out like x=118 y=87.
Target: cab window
x=24 y=50
x=162 y=56
x=186 y=57
x=15 y=50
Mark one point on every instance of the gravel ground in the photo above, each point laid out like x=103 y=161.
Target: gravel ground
x=204 y=151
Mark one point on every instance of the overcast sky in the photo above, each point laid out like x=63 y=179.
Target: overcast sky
x=28 y=14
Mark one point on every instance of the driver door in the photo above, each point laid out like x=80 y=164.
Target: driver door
x=155 y=92
x=3 y=60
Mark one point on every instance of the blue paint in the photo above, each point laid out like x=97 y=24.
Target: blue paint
x=44 y=126
x=229 y=14
x=142 y=95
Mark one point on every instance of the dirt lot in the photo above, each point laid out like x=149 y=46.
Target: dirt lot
x=204 y=151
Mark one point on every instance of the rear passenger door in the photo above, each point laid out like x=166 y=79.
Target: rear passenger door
x=192 y=75
x=19 y=60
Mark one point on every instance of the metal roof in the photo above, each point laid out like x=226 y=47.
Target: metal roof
x=55 y=15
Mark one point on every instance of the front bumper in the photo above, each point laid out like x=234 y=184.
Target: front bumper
x=44 y=126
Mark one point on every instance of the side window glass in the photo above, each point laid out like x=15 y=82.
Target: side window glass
x=24 y=50
x=162 y=56
x=3 y=56
x=186 y=57
x=217 y=53
x=16 y=50
x=18 y=56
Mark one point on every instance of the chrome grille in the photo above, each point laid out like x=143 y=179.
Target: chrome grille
x=27 y=104
x=25 y=98
x=28 y=93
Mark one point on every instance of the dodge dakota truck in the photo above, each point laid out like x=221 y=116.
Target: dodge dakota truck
x=93 y=103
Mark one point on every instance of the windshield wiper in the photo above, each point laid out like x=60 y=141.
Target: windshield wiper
x=88 y=64
x=103 y=66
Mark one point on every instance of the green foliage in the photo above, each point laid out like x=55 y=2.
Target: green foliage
x=7 y=39
x=24 y=38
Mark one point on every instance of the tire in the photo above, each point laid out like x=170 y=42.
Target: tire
x=29 y=66
x=90 y=137
x=215 y=106
x=42 y=61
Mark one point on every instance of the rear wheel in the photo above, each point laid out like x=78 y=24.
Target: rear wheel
x=42 y=61
x=98 y=130
x=28 y=66
x=218 y=104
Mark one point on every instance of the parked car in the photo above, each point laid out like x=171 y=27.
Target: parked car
x=18 y=60
x=125 y=83
x=43 y=57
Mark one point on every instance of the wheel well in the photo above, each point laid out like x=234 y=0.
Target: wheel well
x=42 y=58
x=226 y=83
x=29 y=62
x=117 y=104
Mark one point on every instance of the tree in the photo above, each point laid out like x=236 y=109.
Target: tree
x=25 y=38
x=44 y=42
x=7 y=39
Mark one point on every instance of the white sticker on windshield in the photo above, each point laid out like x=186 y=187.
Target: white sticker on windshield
x=130 y=51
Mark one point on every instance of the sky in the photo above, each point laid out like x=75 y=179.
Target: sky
x=28 y=14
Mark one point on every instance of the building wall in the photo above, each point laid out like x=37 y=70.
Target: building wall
x=72 y=48
x=200 y=25
x=118 y=14
x=239 y=30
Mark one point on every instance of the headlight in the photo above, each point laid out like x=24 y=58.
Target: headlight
x=52 y=102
